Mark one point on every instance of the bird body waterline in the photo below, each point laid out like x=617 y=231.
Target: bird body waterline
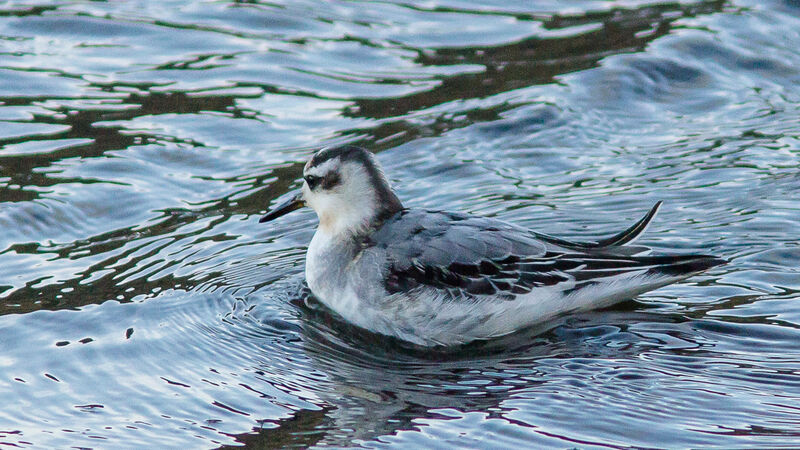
x=436 y=278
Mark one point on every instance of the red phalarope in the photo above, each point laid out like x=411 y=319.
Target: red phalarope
x=444 y=278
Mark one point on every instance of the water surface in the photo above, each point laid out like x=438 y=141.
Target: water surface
x=142 y=305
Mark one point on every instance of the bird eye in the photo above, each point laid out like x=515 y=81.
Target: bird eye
x=311 y=180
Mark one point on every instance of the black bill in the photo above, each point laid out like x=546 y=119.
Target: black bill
x=293 y=203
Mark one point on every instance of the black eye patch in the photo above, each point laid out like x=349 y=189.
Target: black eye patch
x=329 y=181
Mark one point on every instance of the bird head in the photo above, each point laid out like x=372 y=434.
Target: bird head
x=347 y=189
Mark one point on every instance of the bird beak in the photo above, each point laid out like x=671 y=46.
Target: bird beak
x=293 y=203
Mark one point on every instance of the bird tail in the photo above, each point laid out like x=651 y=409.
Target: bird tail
x=631 y=233
x=619 y=239
x=650 y=272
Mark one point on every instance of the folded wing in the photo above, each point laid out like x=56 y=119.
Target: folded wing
x=469 y=256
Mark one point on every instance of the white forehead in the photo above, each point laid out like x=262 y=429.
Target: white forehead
x=322 y=169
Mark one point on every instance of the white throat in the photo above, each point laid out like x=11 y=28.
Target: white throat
x=338 y=216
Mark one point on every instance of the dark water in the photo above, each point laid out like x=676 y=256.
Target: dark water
x=142 y=305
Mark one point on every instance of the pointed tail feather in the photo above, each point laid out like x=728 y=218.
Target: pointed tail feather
x=617 y=240
x=631 y=233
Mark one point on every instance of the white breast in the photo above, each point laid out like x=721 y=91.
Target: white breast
x=327 y=268
x=316 y=267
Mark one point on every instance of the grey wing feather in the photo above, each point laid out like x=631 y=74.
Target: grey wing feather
x=445 y=238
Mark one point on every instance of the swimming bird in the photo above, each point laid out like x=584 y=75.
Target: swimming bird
x=436 y=278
